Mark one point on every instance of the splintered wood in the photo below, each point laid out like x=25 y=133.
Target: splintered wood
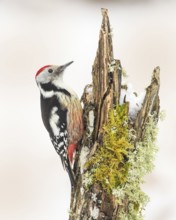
x=98 y=98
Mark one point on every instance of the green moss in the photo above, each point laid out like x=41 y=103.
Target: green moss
x=120 y=164
x=108 y=165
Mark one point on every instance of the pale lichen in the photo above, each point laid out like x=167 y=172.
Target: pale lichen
x=162 y=115
x=140 y=162
x=87 y=179
x=94 y=197
x=94 y=212
x=111 y=66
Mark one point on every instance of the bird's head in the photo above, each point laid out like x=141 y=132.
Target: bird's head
x=50 y=73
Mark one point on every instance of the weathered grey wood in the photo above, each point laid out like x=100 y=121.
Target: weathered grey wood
x=150 y=106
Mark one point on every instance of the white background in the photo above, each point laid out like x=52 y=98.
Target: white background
x=33 y=185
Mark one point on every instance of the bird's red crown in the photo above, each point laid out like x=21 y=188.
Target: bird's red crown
x=41 y=69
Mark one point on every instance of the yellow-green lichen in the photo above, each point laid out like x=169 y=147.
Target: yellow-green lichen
x=108 y=165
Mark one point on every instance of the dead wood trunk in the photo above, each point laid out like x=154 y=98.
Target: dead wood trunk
x=98 y=98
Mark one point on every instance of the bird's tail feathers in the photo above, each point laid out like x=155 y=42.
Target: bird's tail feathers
x=71 y=174
x=69 y=170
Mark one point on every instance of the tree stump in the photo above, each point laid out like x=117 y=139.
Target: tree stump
x=89 y=199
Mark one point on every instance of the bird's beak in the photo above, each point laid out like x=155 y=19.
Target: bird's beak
x=63 y=67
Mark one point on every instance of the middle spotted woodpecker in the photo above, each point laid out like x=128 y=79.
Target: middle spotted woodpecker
x=61 y=113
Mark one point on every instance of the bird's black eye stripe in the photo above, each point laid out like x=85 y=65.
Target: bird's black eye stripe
x=50 y=70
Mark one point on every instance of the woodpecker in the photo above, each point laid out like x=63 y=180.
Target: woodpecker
x=61 y=113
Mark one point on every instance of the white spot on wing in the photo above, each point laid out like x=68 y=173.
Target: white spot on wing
x=60 y=144
x=54 y=119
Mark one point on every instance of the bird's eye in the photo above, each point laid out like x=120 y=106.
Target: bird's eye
x=50 y=70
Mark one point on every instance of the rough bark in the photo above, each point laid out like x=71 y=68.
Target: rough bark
x=151 y=104
x=98 y=98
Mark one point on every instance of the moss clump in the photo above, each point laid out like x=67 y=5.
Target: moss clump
x=108 y=165
x=121 y=163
